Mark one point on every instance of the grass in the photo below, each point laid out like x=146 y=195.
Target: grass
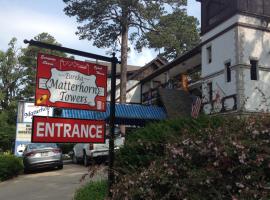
x=93 y=190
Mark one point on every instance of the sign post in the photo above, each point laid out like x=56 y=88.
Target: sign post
x=112 y=119
x=112 y=60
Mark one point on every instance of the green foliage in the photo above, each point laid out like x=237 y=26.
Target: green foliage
x=29 y=61
x=149 y=143
x=10 y=166
x=208 y=158
x=17 y=80
x=7 y=131
x=12 y=75
x=175 y=34
x=105 y=21
x=93 y=190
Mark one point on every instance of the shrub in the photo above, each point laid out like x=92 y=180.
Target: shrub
x=210 y=158
x=93 y=190
x=10 y=166
x=148 y=144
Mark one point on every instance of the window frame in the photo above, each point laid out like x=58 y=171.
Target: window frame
x=254 y=69
x=228 y=71
x=210 y=91
x=209 y=54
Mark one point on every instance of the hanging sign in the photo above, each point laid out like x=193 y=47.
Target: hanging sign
x=68 y=83
x=49 y=129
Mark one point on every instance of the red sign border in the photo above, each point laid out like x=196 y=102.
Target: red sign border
x=32 y=134
x=53 y=106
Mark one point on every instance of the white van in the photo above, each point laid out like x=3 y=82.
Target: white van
x=87 y=152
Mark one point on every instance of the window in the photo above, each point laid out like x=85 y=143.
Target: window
x=209 y=54
x=228 y=71
x=254 y=70
x=210 y=91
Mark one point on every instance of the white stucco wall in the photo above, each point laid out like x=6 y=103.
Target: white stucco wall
x=257 y=93
x=240 y=45
x=221 y=89
x=224 y=50
x=255 y=44
x=133 y=96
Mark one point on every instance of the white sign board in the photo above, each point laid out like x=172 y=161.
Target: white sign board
x=31 y=110
x=23 y=137
x=73 y=87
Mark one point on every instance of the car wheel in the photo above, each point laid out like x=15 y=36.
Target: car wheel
x=60 y=166
x=85 y=160
x=26 y=170
x=74 y=159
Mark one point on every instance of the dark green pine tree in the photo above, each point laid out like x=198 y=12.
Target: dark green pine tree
x=110 y=22
x=174 y=34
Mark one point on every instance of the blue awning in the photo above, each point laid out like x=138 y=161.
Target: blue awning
x=125 y=114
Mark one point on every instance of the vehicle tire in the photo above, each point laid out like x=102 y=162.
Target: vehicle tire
x=74 y=158
x=60 y=166
x=85 y=160
x=26 y=170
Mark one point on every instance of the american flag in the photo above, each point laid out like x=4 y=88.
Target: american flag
x=196 y=106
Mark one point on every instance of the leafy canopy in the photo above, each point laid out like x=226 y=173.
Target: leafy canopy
x=12 y=74
x=175 y=34
x=104 y=21
x=29 y=60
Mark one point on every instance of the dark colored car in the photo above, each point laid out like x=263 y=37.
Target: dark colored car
x=42 y=155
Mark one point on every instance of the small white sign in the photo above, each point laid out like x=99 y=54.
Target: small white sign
x=31 y=110
x=24 y=131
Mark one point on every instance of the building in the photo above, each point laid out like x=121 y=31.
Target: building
x=229 y=69
x=134 y=78
x=235 y=55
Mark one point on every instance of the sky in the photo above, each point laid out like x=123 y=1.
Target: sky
x=25 y=19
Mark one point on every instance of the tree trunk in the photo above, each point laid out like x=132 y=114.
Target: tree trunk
x=124 y=52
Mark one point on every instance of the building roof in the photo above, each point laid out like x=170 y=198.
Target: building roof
x=175 y=62
x=125 y=114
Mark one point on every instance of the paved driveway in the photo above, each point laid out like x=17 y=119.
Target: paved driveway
x=46 y=184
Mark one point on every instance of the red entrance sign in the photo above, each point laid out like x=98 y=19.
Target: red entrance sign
x=68 y=83
x=59 y=130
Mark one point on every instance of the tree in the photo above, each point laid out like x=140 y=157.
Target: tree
x=175 y=33
x=29 y=61
x=108 y=20
x=7 y=129
x=12 y=75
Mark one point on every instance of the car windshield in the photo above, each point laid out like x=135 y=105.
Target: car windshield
x=42 y=145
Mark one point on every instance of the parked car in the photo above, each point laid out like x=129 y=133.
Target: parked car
x=87 y=152
x=42 y=155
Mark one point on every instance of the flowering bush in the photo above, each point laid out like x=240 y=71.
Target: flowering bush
x=205 y=159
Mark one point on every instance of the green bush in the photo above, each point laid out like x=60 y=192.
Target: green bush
x=93 y=190
x=149 y=143
x=10 y=166
x=204 y=159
